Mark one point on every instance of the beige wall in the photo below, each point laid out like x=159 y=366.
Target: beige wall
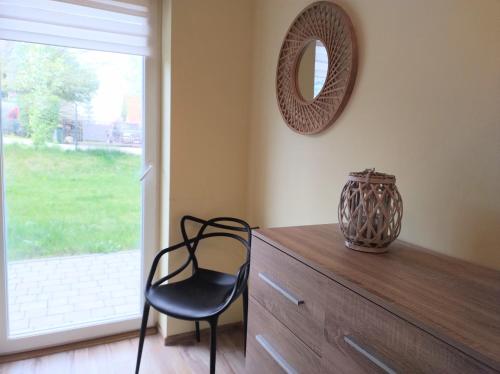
x=426 y=107
x=207 y=64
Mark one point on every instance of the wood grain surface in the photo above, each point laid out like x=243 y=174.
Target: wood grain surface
x=455 y=301
x=119 y=358
x=354 y=324
x=294 y=352
x=73 y=346
x=305 y=320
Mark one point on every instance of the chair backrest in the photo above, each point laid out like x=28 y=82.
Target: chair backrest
x=192 y=243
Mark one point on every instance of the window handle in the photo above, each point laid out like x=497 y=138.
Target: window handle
x=349 y=340
x=146 y=172
x=275 y=355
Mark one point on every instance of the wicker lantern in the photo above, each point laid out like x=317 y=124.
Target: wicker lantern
x=370 y=211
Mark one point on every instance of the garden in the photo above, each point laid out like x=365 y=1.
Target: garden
x=64 y=202
x=73 y=198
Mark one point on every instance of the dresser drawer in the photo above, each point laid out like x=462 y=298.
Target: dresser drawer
x=360 y=336
x=272 y=348
x=289 y=290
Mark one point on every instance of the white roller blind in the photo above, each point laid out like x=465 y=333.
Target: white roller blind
x=108 y=25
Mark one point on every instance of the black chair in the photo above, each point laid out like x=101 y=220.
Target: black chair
x=206 y=293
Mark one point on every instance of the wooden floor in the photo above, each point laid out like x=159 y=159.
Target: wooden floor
x=119 y=358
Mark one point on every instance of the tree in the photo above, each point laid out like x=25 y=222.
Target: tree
x=44 y=76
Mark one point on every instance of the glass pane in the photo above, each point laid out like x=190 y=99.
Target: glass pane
x=72 y=144
x=320 y=67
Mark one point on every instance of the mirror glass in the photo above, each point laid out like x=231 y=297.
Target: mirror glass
x=313 y=67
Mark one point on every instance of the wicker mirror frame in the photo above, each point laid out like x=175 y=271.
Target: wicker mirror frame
x=327 y=22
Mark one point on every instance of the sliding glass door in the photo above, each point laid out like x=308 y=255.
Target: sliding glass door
x=78 y=193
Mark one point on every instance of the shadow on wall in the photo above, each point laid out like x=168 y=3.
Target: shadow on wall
x=475 y=233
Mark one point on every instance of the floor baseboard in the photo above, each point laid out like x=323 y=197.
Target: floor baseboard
x=190 y=335
x=72 y=346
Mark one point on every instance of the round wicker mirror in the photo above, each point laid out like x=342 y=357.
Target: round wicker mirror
x=323 y=23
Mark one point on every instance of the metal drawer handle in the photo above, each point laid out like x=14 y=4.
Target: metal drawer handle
x=368 y=355
x=281 y=290
x=275 y=355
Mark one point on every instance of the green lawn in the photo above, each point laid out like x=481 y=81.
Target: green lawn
x=70 y=202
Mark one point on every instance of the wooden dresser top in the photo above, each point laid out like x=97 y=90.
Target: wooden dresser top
x=456 y=301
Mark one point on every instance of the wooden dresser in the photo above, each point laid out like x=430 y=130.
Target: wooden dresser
x=318 y=307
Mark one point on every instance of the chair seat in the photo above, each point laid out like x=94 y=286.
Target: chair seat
x=195 y=298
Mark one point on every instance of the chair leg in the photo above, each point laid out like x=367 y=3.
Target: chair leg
x=213 y=343
x=197 y=325
x=144 y=325
x=245 y=319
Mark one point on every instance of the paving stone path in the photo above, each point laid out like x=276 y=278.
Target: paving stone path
x=61 y=291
